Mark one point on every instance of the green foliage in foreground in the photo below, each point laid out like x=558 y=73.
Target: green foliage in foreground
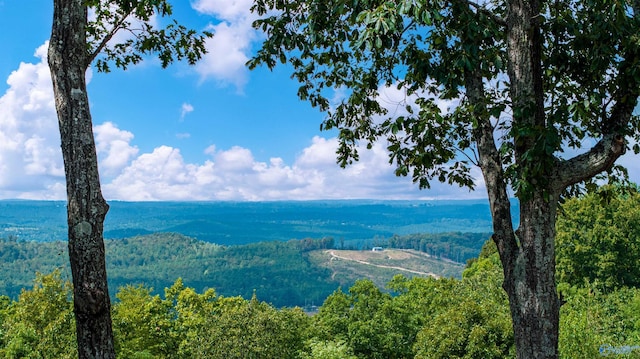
x=41 y=323
x=601 y=324
x=598 y=240
x=424 y=318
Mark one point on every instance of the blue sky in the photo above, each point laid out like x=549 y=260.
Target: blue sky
x=215 y=131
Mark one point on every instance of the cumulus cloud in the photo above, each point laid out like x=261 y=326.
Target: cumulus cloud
x=114 y=149
x=224 y=9
x=31 y=163
x=159 y=175
x=229 y=48
x=234 y=174
x=30 y=157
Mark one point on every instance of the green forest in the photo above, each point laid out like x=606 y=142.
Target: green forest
x=282 y=273
x=598 y=273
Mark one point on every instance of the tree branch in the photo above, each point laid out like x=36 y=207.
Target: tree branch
x=107 y=38
x=612 y=145
x=474 y=160
x=490 y=163
x=599 y=158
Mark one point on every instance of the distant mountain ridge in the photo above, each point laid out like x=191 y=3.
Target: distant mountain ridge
x=229 y=223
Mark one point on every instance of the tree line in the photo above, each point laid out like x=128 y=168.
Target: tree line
x=455 y=246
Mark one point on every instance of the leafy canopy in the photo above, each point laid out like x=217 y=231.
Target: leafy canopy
x=139 y=22
x=430 y=50
x=41 y=323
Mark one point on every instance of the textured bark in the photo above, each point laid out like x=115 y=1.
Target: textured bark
x=86 y=208
x=528 y=254
x=531 y=285
x=529 y=265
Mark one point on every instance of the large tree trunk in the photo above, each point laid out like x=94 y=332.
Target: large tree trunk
x=86 y=208
x=530 y=283
x=527 y=255
x=529 y=263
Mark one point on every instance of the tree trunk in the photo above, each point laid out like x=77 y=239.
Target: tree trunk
x=86 y=208
x=529 y=262
x=530 y=284
x=527 y=256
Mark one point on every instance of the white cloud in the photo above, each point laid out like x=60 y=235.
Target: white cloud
x=211 y=150
x=234 y=174
x=235 y=159
x=31 y=162
x=114 y=150
x=229 y=48
x=321 y=152
x=371 y=177
x=30 y=157
x=185 y=110
x=31 y=165
x=160 y=175
x=229 y=10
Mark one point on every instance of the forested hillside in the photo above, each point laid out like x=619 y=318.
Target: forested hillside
x=281 y=273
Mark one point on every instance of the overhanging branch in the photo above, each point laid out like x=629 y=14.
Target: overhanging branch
x=612 y=145
x=116 y=27
x=599 y=158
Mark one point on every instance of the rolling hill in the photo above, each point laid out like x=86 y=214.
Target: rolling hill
x=291 y=273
